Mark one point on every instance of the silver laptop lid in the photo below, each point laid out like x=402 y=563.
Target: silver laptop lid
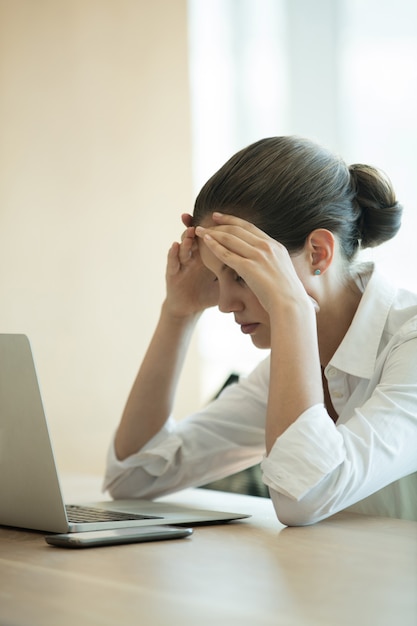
x=30 y=494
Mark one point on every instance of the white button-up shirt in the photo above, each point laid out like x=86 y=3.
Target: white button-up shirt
x=367 y=461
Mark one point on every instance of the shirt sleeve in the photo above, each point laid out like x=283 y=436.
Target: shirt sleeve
x=310 y=449
x=317 y=468
x=133 y=476
x=226 y=436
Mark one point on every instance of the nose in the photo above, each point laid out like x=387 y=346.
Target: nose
x=229 y=300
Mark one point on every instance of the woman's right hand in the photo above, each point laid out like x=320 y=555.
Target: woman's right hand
x=191 y=287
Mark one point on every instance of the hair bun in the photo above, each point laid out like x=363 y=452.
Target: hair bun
x=379 y=212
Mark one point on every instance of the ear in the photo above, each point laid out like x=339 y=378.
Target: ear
x=320 y=245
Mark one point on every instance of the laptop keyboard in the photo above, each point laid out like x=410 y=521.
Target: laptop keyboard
x=86 y=514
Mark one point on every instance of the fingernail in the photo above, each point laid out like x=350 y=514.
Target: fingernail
x=217 y=214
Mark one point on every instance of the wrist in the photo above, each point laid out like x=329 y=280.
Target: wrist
x=292 y=310
x=177 y=317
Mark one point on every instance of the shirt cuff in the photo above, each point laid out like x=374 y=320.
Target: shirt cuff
x=154 y=457
x=304 y=454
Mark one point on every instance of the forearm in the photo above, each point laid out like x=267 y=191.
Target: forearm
x=295 y=381
x=151 y=399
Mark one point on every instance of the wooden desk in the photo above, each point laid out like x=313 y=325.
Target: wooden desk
x=349 y=570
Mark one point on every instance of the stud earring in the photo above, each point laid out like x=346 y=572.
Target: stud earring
x=317 y=272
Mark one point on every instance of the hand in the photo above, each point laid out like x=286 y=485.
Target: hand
x=264 y=264
x=191 y=287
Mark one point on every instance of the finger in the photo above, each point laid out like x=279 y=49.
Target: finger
x=231 y=251
x=241 y=228
x=189 y=238
x=225 y=218
x=173 y=264
x=185 y=250
x=232 y=236
x=187 y=219
x=189 y=232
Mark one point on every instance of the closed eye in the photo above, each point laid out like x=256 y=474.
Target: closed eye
x=236 y=277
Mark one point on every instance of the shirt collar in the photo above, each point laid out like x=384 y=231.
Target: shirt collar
x=357 y=353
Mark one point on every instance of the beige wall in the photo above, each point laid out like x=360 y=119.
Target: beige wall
x=94 y=172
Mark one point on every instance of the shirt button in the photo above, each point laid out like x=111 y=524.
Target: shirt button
x=337 y=394
x=332 y=372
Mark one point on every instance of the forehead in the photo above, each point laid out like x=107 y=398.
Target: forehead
x=209 y=259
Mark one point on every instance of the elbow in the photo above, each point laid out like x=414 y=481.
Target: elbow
x=118 y=490
x=131 y=484
x=292 y=512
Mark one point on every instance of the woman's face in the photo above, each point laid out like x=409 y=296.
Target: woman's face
x=236 y=297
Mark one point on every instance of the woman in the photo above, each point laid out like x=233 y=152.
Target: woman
x=332 y=412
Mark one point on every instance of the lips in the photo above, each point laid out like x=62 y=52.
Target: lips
x=248 y=329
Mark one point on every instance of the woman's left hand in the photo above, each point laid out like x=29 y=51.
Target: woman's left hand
x=262 y=262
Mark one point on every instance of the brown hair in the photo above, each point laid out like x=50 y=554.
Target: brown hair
x=289 y=186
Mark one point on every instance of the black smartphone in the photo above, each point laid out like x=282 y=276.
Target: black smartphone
x=95 y=538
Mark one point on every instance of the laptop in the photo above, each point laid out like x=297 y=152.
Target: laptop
x=30 y=493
